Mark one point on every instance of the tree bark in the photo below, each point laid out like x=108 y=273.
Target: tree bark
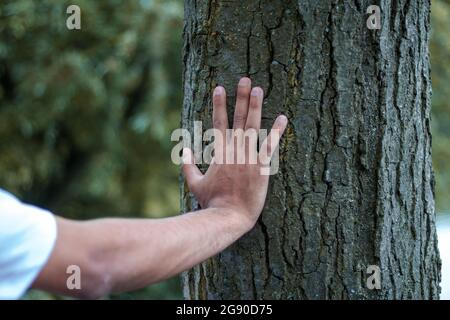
x=355 y=185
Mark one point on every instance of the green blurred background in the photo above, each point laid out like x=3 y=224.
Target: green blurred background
x=86 y=116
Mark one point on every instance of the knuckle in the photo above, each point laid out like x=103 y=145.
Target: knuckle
x=254 y=104
x=243 y=94
x=217 y=100
x=239 y=118
x=218 y=123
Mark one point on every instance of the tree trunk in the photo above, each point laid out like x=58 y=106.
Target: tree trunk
x=355 y=185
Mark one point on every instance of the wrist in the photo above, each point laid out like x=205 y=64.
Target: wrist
x=239 y=220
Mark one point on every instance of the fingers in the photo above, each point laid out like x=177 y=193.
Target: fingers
x=220 y=118
x=190 y=170
x=273 y=139
x=242 y=100
x=254 y=110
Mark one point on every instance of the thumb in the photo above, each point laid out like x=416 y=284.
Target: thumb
x=190 y=170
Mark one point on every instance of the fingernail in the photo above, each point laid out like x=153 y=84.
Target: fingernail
x=245 y=82
x=283 y=119
x=218 y=91
x=257 y=92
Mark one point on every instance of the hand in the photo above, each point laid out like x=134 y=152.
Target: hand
x=240 y=188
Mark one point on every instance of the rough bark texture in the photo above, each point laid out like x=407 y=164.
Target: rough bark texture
x=355 y=186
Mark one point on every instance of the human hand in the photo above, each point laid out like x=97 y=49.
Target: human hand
x=238 y=186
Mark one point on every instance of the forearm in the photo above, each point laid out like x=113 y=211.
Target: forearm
x=117 y=255
x=147 y=251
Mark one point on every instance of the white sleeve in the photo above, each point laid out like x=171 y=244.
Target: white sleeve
x=27 y=237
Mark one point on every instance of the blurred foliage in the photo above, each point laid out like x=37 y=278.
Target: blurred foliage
x=86 y=116
x=440 y=72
